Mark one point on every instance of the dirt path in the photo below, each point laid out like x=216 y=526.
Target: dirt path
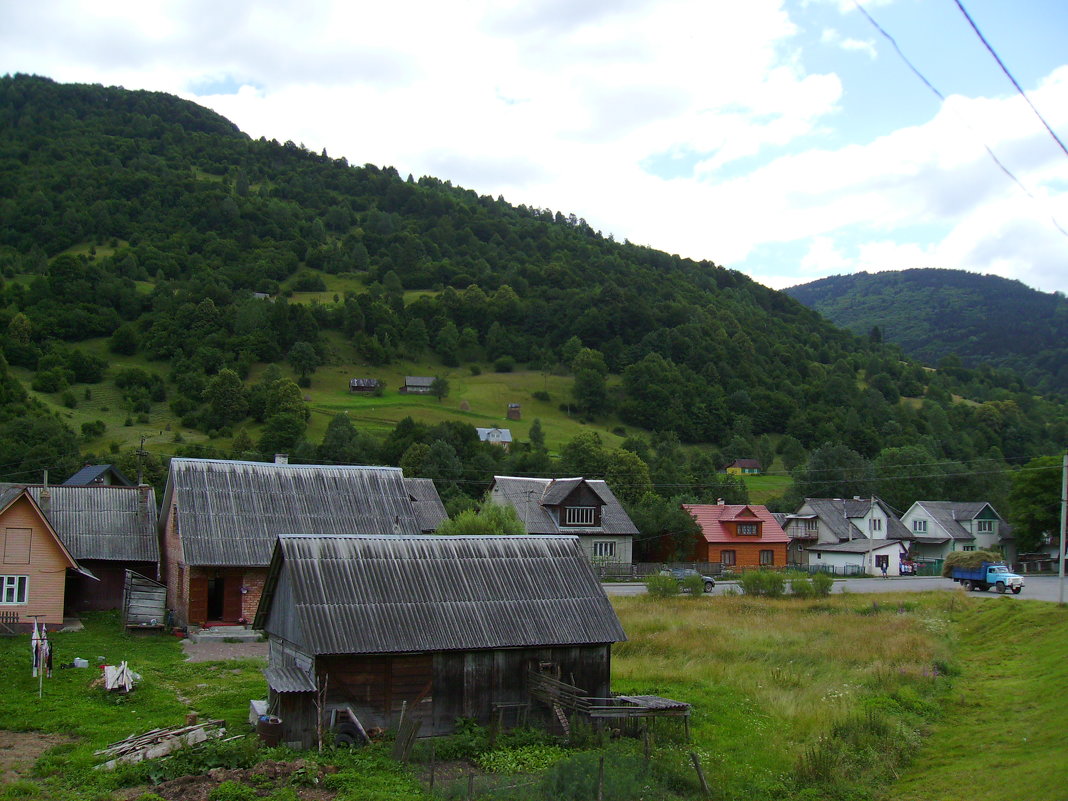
x=20 y=749
x=221 y=651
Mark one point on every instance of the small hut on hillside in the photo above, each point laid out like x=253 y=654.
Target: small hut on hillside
x=441 y=627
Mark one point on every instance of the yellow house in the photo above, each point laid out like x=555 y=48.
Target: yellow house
x=748 y=467
x=33 y=563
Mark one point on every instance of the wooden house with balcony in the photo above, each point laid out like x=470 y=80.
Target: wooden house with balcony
x=831 y=521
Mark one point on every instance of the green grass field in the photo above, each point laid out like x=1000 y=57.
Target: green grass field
x=885 y=698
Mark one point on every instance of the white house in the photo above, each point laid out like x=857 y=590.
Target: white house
x=941 y=527
x=502 y=437
x=860 y=556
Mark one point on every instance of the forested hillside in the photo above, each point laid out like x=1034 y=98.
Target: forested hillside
x=153 y=254
x=953 y=315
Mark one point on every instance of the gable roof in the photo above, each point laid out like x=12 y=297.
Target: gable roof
x=418 y=380
x=532 y=496
x=102 y=521
x=230 y=513
x=361 y=594
x=97 y=474
x=10 y=494
x=711 y=517
x=429 y=509
x=503 y=434
x=948 y=514
x=746 y=464
x=838 y=513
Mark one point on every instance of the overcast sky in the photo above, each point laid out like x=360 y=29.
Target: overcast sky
x=783 y=138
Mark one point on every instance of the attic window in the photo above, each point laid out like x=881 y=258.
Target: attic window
x=985 y=526
x=748 y=529
x=13 y=589
x=580 y=515
x=919 y=526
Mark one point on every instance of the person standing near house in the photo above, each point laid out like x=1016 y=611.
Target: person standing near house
x=883 y=567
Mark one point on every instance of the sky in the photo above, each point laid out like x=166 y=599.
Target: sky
x=782 y=138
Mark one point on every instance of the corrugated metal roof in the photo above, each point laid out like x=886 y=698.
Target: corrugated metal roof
x=96 y=474
x=230 y=513
x=528 y=495
x=428 y=506
x=408 y=594
x=288 y=680
x=102 y=521
x=418 y=380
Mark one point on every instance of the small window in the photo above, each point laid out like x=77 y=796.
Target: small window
x=767 y=557
x=985 y=527
x=604 y=548
x=13 y=589
x=17 y=546
x=580 y=515
x=748 y=529
x=812 y=525
x=876 y=524
x=968 y=548
x=919 y=526
x=882 y=560
x=728 y=558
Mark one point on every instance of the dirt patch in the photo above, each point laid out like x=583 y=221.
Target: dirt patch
x=20 y=749
x=222 y=651
x=265 y=777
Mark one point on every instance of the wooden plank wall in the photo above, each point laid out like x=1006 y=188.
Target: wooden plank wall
x=144 y=600
x=32 y=551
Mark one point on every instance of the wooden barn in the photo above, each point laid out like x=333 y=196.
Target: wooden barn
x=440 y=627
x=220 y=519
x=108 y=529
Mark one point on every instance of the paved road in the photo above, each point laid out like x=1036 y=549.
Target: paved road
x=1036 y=588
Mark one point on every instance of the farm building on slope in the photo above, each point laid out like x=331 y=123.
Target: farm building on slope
x=220 y=519
x=442 y=627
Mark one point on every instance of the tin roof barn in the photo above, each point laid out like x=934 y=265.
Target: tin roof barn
x=445 y=627
x=220 y=520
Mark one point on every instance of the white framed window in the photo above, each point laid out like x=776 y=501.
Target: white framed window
x=985 y=526
x=13 y=589
x=876 y=524
x=748 y=529
x=919 y=526
x=604 y=548
x=580 y=515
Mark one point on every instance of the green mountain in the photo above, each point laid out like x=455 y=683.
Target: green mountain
x=941 y=314
x=139 y=234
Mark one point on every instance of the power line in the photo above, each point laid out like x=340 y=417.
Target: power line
x=1009 y=75
x=942 y=97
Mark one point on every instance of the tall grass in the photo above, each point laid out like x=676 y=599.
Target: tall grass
x=771 y=679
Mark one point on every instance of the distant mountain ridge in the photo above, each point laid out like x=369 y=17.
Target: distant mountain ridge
x=936 y=313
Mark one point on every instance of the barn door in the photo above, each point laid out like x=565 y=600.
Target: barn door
x=198 y=599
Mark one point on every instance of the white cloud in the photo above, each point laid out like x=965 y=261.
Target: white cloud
x=832 y=37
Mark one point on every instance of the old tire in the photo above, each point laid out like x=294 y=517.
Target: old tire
x=1001 y=587
x=1016 y=590
x=348 y=735
x=709 y=585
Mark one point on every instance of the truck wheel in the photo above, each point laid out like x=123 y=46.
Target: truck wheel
x=966 y=586
x=1016 y=590
x=708 y=586
x=1001 y=587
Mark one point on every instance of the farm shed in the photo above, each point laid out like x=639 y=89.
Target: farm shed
x=443 y=627
x=220 y=520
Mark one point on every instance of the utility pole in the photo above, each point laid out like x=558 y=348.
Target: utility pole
x=1064 y=524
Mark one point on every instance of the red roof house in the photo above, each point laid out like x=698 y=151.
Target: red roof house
x=738 y=535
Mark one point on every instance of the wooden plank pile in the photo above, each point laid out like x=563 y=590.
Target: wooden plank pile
x=157 y=743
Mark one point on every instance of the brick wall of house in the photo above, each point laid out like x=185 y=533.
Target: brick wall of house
x=175 y=576
x=255 y=578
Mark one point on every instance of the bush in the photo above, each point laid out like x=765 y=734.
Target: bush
x=767 y=583
x=661 y=586
x=94 y=429
x=504 y=364
x=542 y=395
x=822 y=584
x=801 y=586
x=695 y=585
x=232 y=791
x=475 y=369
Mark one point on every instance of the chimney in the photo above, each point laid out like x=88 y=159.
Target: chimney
x=281 y=458
x=720 y=502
